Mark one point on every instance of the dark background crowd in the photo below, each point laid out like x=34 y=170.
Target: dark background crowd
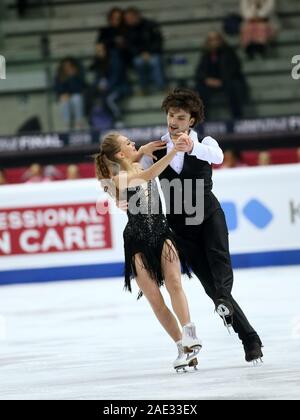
x=128 y=42
x=129 y=60
x=131 y=43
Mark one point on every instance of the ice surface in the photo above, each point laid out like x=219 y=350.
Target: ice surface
x=91 y=340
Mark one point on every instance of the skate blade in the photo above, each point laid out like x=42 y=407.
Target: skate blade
x=228 y=326
x=181 y=369
x=191 y=364
x=257 y=362
x=223 y=311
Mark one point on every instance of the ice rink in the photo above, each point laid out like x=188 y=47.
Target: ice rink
x=91 y=340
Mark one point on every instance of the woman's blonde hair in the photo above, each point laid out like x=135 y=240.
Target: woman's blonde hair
x=107 y=165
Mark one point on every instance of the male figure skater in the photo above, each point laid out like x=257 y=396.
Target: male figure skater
x=206 y=243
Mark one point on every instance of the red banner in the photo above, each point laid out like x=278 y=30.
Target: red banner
x=59 y=228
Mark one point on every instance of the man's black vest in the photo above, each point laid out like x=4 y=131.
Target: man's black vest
x=193 y=169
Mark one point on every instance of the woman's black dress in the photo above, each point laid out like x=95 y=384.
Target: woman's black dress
x=146 y=233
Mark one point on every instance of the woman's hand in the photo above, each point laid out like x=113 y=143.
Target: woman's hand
x=122 y=205
x=150 y=148
x=110 y=188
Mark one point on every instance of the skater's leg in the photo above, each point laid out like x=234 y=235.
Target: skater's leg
x=240 y=324
x=199 y=264
x=151 y=291
x=172 y=273
x=215 y=235
x=202 y=268
x=216 y=247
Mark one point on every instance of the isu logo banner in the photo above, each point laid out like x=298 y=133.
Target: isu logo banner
x=59 y=228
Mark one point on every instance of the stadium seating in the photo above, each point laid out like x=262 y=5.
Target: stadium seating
x=72 y=27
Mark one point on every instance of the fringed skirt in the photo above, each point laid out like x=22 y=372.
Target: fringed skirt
x=152 y=249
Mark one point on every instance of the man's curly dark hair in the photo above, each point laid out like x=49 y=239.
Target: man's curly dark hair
x=185 y=99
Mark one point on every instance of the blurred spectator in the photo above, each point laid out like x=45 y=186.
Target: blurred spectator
x=264 y=158
x=112 y=37
x=232 y=24
x=145 y=45
x=51 y=173
x=31 y=125
x=69 y=86
x=232 y=159
x=110 y=68
x=2 y=177
x=73 y=172
x=219 y=70
x=109 y=87
x=35 y=174
x=22 y=7
x=257 y=30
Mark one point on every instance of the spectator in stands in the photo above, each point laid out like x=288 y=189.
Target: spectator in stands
x=232 y=159
x=112 y=38
x=22 y=7
x=219 y=70
x=264 y=158
x=257 y=31
x=2 y=177
x=70 y=86
x=52 y=173
x=35 y=174
x=145 y=45
x=112 y=35
x=73 y=172
x=109 y=87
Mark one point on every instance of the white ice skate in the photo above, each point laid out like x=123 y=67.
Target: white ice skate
x=182 y=362
x=190 y=342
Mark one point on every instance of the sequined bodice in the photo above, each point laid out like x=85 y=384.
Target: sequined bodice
x=146 y=220
x=144 y=200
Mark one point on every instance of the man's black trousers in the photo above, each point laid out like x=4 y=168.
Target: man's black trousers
x=207 y=248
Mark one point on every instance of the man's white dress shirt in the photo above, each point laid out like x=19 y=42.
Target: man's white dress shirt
x=208 y=150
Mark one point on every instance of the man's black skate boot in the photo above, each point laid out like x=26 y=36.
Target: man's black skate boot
x=225 y=309
x=253 y=351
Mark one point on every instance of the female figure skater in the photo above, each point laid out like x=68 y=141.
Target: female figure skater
x=151 y=254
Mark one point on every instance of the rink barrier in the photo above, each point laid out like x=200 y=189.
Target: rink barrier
x=44 y=275
x=52 y=231
x=116 y=270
